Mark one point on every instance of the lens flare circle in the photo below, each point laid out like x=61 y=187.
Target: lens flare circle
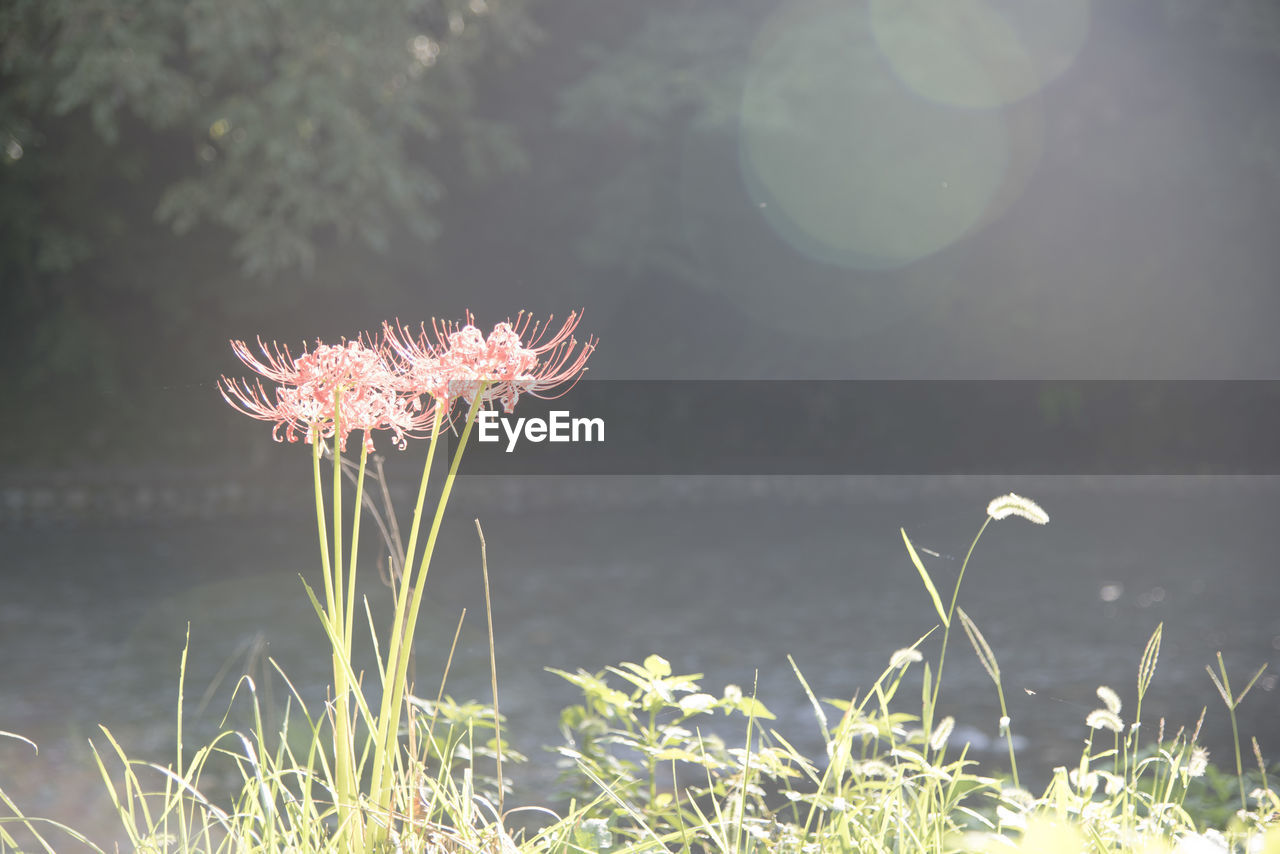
x=847 y=164
x=979 y=53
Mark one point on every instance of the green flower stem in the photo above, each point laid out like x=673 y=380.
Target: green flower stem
x=324 y=550
x=397 y=627
x=348 y=745
x=393 y=699
x=356 y=515
x=321 y=526
x=402 y=595
x=946 y=630
x=343 y=746
x=341 y=767
x=343 y=784
x=652 y=760
x=336 y=615
x=1008 y=736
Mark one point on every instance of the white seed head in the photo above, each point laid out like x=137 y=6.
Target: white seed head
x=1019 y=798
x=873 y=768
x=942 y=732
x=1086 y=782
x=1110 y=699
x=1198 y=762
x=903 y=657
x=1096 y=812
x=1016 y=505
x=1009 y=818
x=1104 y=719
x=1113 y=784
x=863 y=729
x=1004 y=725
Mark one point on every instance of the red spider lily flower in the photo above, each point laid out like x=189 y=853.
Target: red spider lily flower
x=452 y=361
x=543 y=368
x=445 y=369
x=303 y=405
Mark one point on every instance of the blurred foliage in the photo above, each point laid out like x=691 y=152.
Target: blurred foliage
x=1212 y=800
x=264 y=134
x=301 y=152
x=282 y=122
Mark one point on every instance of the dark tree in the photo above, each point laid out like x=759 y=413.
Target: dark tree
x=170 y=163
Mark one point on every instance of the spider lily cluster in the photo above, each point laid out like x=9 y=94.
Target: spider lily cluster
x=406 y=382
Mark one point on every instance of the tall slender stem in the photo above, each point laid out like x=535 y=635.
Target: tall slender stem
x=381 y=783
x=343 y=745
x=946 y=629
x=356 y=513
x=393 y=696
x=493 y=667
x=321 y=526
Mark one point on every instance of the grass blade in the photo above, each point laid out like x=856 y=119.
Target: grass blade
x=1252 y=682
x=928 y=582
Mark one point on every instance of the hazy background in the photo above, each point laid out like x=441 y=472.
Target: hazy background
x=976 y=189
x=1061 y=189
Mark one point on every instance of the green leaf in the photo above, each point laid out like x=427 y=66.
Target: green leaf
x=752 y=707
x=657 y=666
x=1252 y=682
x=695 y=704
x=926 y=690
x=14 y=735
x=596 y=691
x=928 y=582
x=678 y=754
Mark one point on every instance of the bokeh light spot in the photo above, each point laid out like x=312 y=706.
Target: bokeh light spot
x=1110 y=592
x=853 y=168
x=979 y=53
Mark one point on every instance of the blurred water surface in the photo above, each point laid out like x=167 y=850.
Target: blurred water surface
x=722 y=581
